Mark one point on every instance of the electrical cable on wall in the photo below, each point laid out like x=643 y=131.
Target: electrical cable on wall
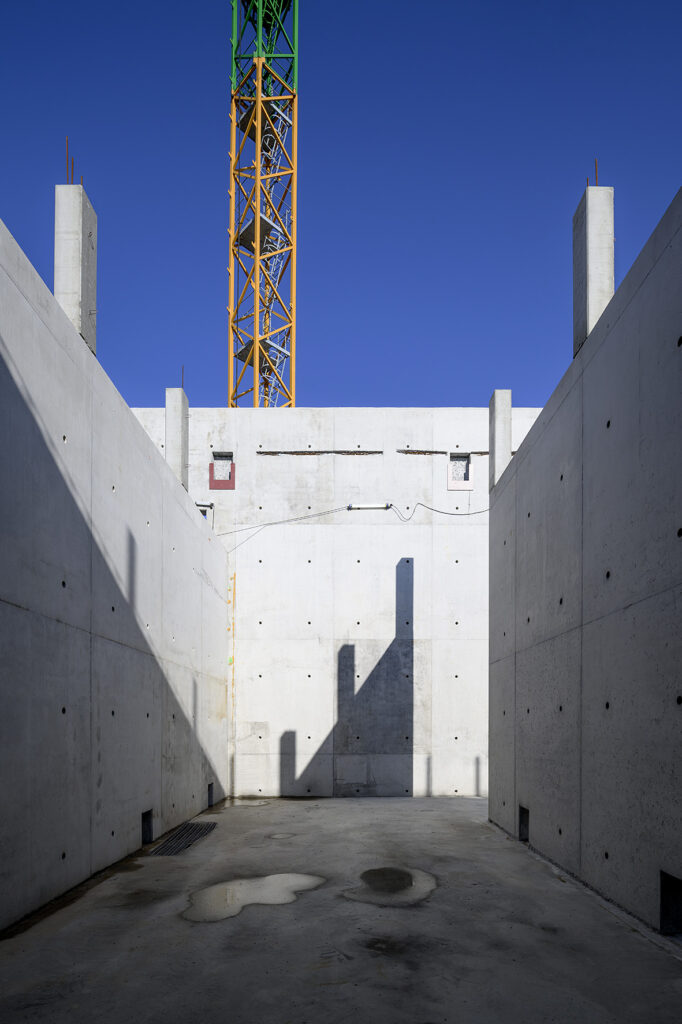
x=440 y=511
x=342 y=508
x=276 y=522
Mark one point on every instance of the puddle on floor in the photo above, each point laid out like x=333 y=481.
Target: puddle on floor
x=387 y=879
x=227 y=899
x=282 y=835
x=393 y=887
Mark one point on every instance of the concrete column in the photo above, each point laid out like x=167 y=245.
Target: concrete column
x=592 y=261
x=75 y=259
x=500 y=443
x=177 y=434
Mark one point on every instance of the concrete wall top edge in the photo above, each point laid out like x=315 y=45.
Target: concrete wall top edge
x=309 y=409
x=27 y=281
x=661 y=237
x=17 y=266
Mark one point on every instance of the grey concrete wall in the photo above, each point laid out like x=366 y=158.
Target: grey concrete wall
x=361 y=641
x=593 y=260
x=500 y=434
x=113 y=614
x=177 y=434
x=586 y=590
x=75 y=259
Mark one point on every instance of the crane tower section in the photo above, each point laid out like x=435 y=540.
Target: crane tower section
x=262 y=226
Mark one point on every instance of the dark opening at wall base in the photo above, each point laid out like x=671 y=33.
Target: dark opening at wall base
x=147 y=828
x=524 y=824
x=210 y=795
x=671 y=904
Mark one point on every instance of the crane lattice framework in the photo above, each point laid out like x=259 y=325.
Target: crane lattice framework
x=263 y=132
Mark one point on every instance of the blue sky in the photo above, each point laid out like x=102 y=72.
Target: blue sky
x=443 y=149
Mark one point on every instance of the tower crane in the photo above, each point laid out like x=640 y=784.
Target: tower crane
x=262 y=224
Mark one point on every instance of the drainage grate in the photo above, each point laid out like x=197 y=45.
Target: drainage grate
x=183 y=837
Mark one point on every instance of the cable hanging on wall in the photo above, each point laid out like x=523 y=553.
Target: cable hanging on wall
x=384 y=506
x=440 y=511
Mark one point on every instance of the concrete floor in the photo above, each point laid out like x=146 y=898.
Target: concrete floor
x=505 y=937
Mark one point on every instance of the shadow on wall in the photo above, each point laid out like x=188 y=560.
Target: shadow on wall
x=372 y=742
x=93 y=733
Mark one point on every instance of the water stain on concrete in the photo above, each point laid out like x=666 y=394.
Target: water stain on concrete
x=393 y=887
x=409 y=952
x=387 y=946
x=139 y=898
x=330 y=956
x=130 y=863
x=282 y=835
x=387 y=879
x=227 y=899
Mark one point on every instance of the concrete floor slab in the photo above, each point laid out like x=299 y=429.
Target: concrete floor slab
x=504 y=937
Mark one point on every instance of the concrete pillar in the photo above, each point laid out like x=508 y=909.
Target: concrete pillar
x=592 y=260
x=500 y=443
x=75 y=259
x=177 y=434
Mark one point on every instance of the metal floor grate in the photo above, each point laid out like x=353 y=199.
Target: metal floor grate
x=183 y=837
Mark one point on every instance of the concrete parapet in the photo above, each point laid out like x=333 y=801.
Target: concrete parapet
x=177 y=434
x=500 y=443
x=593 y=279
x=75 y=260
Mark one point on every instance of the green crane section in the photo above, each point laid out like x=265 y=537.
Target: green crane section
x=269 y=29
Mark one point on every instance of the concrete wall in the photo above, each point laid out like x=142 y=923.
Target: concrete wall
x=113 y=614
x=586 y=594
x=361 y=640
x=75 y=259
x=593 y=260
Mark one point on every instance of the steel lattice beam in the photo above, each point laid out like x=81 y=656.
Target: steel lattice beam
x=262 y=226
